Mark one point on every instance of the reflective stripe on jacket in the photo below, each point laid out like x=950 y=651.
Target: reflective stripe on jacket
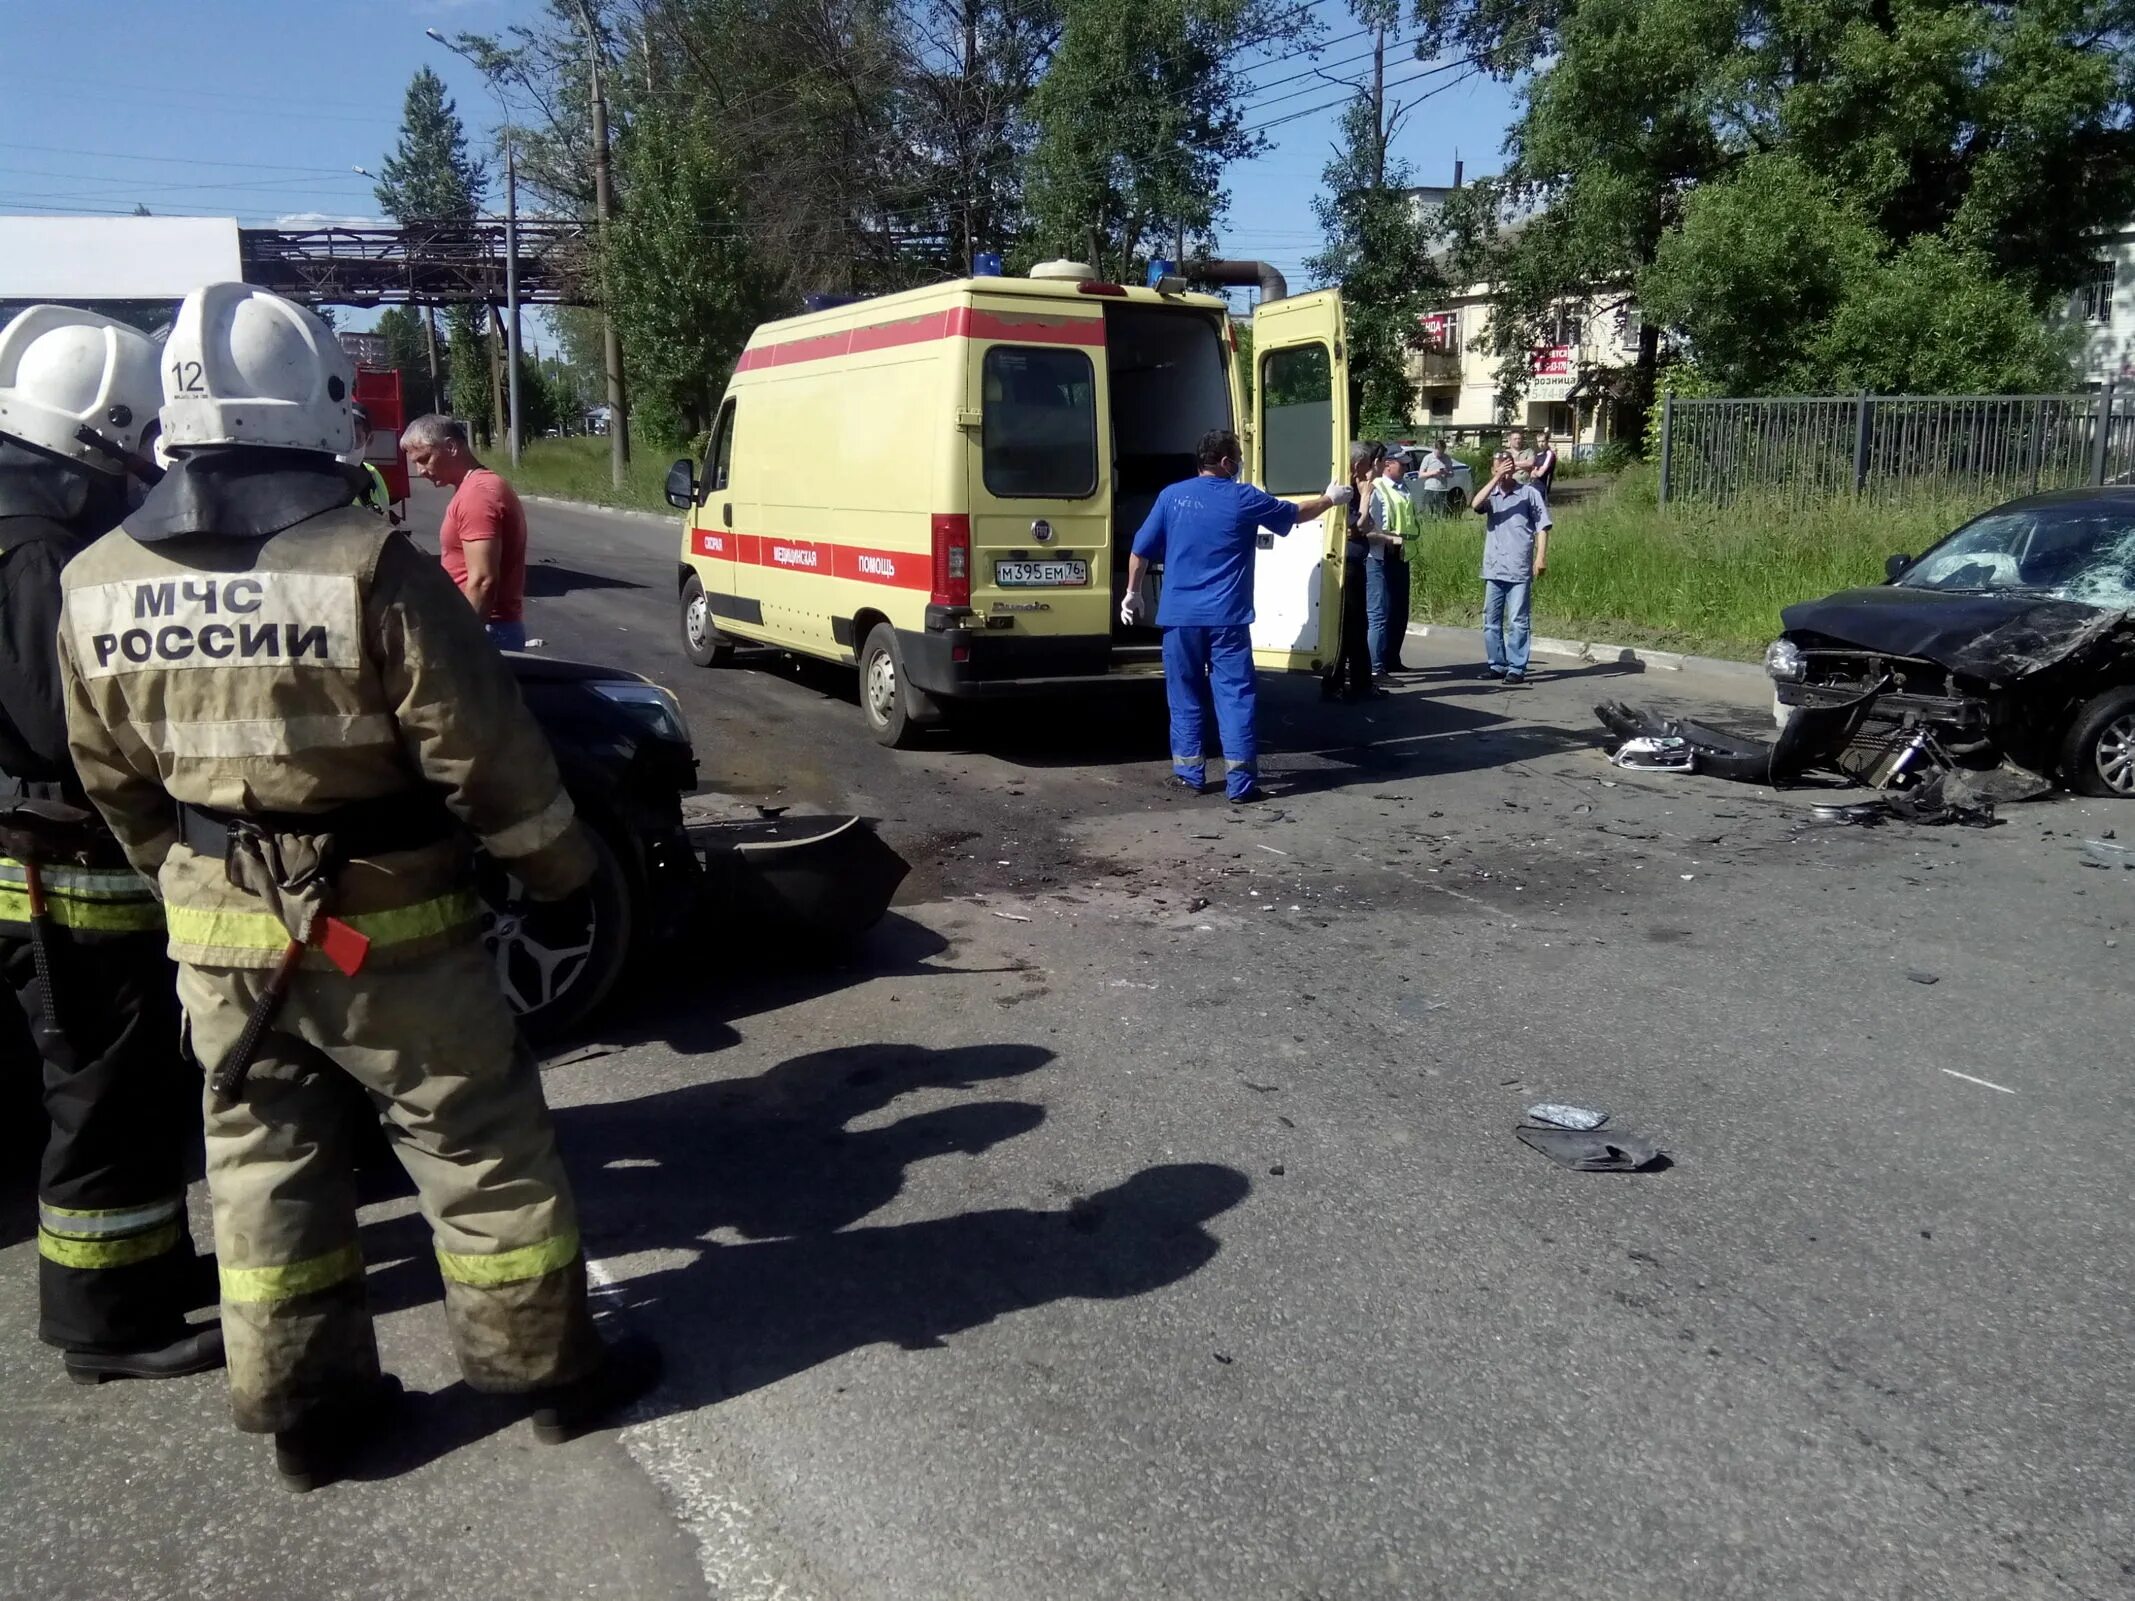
x=327 y=664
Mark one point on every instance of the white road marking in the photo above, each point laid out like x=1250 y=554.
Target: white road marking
x=1969 y=1079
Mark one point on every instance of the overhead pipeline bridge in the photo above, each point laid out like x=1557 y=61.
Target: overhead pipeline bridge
x=422 y=264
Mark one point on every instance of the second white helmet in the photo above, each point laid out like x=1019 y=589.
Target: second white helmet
x=245 y=367
x=63 y=370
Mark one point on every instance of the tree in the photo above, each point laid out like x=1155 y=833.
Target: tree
x=1135 y=119
x=430 y=177
x=407 y=351
x=1937 y=319
x=680 y=273
x=2004 y=131
x=1378 y=245
x=470 y=386
x=971 y=67
x=1778 y=283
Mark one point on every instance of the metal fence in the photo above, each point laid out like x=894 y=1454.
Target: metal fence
x=1718 y=451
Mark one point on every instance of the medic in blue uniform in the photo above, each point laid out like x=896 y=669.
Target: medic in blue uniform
x=1204 y=531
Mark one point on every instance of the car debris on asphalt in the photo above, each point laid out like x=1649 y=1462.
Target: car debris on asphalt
x=1592 y=1151
x=1562 y=1116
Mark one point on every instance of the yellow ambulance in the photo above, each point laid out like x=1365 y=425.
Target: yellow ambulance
x=941 y=486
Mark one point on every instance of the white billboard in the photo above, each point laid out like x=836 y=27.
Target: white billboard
x=76 y=259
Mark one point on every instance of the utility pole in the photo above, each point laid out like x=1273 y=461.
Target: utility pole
x=604 y=208
x=511 y=287
x=1378 y=107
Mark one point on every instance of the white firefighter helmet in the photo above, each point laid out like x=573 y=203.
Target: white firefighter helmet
x=64 y=370
x=245 y=367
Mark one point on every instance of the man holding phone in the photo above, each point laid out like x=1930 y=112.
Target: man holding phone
x=1515 y=553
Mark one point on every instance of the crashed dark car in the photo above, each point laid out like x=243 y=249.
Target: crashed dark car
x=2011 y=641
x=625 y=755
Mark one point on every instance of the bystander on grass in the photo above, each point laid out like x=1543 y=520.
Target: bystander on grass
x=1705 y=579
x=577 y=469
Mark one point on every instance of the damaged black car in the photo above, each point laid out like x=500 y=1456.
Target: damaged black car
x=2009 y=643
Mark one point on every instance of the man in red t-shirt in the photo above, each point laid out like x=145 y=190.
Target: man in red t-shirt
x=482 y=541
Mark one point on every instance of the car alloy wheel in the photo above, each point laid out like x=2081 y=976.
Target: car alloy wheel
x=554 y=974
x=2116 y=754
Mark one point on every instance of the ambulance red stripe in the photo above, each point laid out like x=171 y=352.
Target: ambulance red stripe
x=898 y=569
x=957 y=322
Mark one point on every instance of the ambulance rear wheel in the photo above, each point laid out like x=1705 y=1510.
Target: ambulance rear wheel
x=894 y=709
x=701 y=640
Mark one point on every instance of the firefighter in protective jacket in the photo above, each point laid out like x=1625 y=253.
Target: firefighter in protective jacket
x=290 y=717
x=81 y=935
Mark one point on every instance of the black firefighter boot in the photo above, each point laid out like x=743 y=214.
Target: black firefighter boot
x=196 y=1351
x=630 y=1368
x=315 y=1449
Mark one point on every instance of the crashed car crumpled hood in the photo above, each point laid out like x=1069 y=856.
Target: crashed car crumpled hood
x=1993 y=638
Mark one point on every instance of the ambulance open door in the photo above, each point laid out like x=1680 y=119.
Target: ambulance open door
x=1300 y=446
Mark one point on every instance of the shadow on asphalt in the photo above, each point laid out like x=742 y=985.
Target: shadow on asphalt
x=774 y=1161
x=1437 y=720
x=775 y=1166
x=668 y=999
x=545 y=580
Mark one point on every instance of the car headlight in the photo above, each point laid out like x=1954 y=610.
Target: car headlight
x=651 y=705
x=1784 y=661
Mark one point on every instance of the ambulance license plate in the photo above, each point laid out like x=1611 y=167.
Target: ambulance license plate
x=1041 y=574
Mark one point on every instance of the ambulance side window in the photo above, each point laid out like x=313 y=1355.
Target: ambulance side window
x=1039 y=434
x=1297 y=420
x=719 y=460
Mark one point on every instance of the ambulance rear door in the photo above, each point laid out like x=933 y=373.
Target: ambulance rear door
x=1300 y=446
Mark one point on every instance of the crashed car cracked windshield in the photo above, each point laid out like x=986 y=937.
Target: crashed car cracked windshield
x=2010 y=641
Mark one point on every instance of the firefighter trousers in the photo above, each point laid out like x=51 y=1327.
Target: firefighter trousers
x=115 y=1268
x=436 y=1050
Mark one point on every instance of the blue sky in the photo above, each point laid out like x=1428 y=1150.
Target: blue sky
x=258 y=109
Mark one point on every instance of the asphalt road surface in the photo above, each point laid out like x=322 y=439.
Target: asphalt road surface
x=1139 y=1215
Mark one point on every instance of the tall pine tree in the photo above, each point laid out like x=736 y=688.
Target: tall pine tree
x=430 y=177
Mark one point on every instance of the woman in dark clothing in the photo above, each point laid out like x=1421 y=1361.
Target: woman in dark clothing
x=1350 y=676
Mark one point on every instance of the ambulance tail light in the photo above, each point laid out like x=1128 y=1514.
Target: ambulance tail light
x=952 y=559
x=1097 y=286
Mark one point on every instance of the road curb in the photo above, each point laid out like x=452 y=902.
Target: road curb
x=1667 y=661
x=598 y=509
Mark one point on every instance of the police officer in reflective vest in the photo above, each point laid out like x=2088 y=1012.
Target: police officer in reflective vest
x=81 y=935
x=290 y=717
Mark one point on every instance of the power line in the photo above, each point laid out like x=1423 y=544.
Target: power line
x=1401 y=83
x=168 y=161
x=34 y=91
x=1294 y=94
x=1324 y=66
x=105 y=181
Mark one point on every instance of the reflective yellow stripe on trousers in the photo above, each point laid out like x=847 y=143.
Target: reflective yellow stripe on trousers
x=104 y=900
x=107 y=1238
x=263 y=931
x=510 y=1267
x=254 y=1284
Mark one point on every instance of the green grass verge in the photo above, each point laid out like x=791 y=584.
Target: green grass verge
x=577 y=469
x=1704 y=579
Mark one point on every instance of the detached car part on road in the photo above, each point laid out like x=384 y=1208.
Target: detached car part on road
x=807 y=883
x=2012 y=640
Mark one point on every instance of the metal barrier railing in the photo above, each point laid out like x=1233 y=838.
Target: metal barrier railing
x=1717 y=450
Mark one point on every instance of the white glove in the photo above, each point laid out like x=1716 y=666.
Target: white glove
x=1128 y=612
x=1342 y=494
